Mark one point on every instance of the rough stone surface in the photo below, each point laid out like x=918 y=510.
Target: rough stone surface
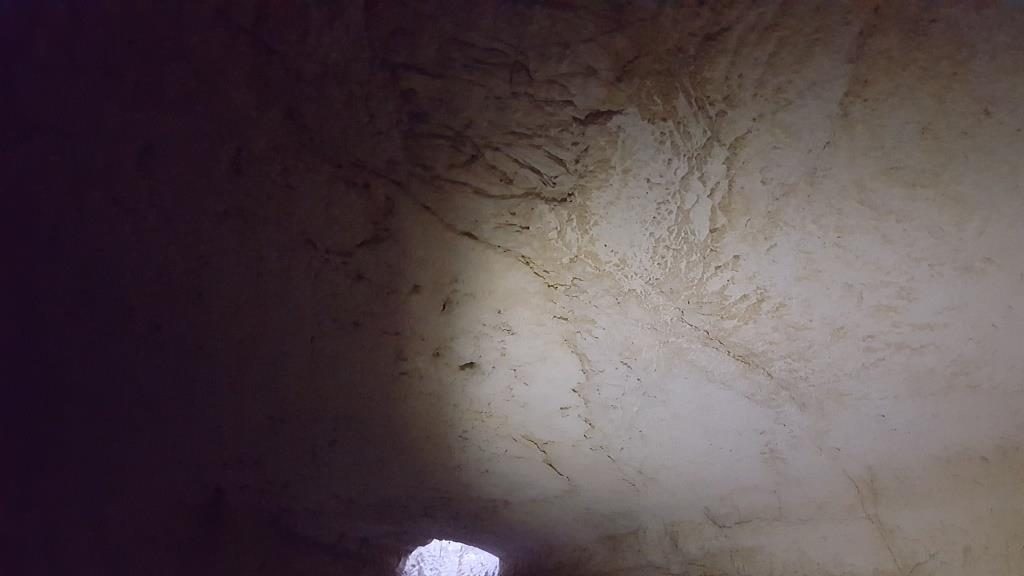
x=603 y=288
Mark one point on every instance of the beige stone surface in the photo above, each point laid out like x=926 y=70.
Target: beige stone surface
x=624 y=289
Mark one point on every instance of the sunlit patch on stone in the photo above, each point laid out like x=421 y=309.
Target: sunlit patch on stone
x=447 y=558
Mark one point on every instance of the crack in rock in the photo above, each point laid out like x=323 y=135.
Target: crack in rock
x=876 y=521
x=546 y=458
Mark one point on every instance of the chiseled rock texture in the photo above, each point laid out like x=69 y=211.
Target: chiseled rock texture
x=617 y=288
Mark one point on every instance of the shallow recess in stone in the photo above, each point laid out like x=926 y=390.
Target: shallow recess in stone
x=447 y=558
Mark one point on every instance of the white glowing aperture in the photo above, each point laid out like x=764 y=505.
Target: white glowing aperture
x=447 y=558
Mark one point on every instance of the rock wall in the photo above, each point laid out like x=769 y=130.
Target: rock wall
x=601 y=287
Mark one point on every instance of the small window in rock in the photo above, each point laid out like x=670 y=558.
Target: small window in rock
x=447 y=558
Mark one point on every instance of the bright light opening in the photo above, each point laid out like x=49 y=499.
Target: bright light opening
x=447 y=558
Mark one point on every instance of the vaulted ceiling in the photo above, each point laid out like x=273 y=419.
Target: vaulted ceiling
x=603 y=288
